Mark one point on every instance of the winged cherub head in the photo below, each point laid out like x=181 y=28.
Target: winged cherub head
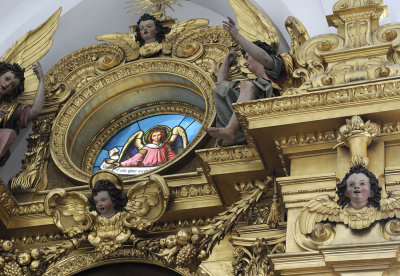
x=359 y=188
x=149 y=29
x=11 y=81
x=106 y=199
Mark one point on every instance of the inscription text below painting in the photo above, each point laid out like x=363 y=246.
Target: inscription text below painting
x=147 y=144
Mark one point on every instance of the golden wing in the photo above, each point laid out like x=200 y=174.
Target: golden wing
x=29 y=49
x=125 y=41
x=254 y=25
x=135 y=141
x=298 y=34
x=390 y=207
x=147 y=202
x=179 y=29
x=179 y=131
x=70 y=211
x=319 y=209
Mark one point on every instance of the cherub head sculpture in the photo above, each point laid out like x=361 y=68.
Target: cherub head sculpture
x=107 y=198
x=359 y=188
x=11 y=81
x=149 y=29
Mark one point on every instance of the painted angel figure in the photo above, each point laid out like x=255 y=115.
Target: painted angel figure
x=22 y=90
x=108 y=214
x=359 y=204
x=158 y=150
x=150 y=36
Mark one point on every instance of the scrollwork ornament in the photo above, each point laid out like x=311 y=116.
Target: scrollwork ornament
x=391 y=230
x=322 y=234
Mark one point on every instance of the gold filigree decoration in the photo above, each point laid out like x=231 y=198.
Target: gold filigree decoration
x=250 y=255
x=125 y=119
x=67 y=69
x=227 y=154
x=188 y=191
x=147 y=201
x=357 y=135
x=186 y=70
x=32 y=174
x=189 y=247
x=154 y=7
x=334 y=97
x=34 y=261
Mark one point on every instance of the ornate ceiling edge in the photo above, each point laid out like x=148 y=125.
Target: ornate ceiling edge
x=58 y=146
x=123 y=120
x=382 y=90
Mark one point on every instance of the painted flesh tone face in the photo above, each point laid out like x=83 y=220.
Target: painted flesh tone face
x=104 y=205
x=358 y=189
x=8 y=83
x=253 y=65
x=148 y=31
x=156 y=137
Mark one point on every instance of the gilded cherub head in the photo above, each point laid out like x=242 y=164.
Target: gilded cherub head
x=107 y=197
x=359 y=188
x=11 y=81
x=149 y=29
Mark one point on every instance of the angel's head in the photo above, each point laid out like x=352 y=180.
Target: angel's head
x=149 y=29
x=157 y=136
x=106 y=198
x=11 y=81
x=252 y=64
x=359 y=188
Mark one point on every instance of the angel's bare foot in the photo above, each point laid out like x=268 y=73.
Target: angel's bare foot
x=225 y=137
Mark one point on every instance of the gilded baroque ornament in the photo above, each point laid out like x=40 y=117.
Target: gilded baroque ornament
x=179 y=70
x=357 y=136
x=146 y=203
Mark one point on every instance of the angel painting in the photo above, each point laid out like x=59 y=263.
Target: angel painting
x=359 y=205
x=22 y=83
x=150 y=36
x=108 y=213
x=147 y=150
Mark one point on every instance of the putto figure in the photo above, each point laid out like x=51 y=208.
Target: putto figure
x=14 y=116
x=108 y=214
x=359 y=188
x=359 y=204
x=149 y=29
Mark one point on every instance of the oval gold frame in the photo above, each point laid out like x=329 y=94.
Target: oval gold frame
x=79 y=112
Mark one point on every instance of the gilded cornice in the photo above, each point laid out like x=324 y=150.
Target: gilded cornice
x=327 y=99
x=135 y=113
x=227 y=155
x=59 y=147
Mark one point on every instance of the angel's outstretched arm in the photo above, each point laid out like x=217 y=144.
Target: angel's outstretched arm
x=39 y=97
x=224 y=69
x=253 y=50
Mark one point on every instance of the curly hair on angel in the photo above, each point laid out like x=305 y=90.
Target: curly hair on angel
x=18 y=72
x=341 y=187
x=117 y=197
x=163 y=134
x=161 y=30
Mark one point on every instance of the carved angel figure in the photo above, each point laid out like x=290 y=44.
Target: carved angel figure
x=108 y=214
x=151 y=36
x=359 y=203
x=22 y=91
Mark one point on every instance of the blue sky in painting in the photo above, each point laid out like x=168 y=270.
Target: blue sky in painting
x=190 y=125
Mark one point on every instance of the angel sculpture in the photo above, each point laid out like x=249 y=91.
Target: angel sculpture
x=18 y=86
x=151 y=36
x=359 y=204
x=108 y=213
